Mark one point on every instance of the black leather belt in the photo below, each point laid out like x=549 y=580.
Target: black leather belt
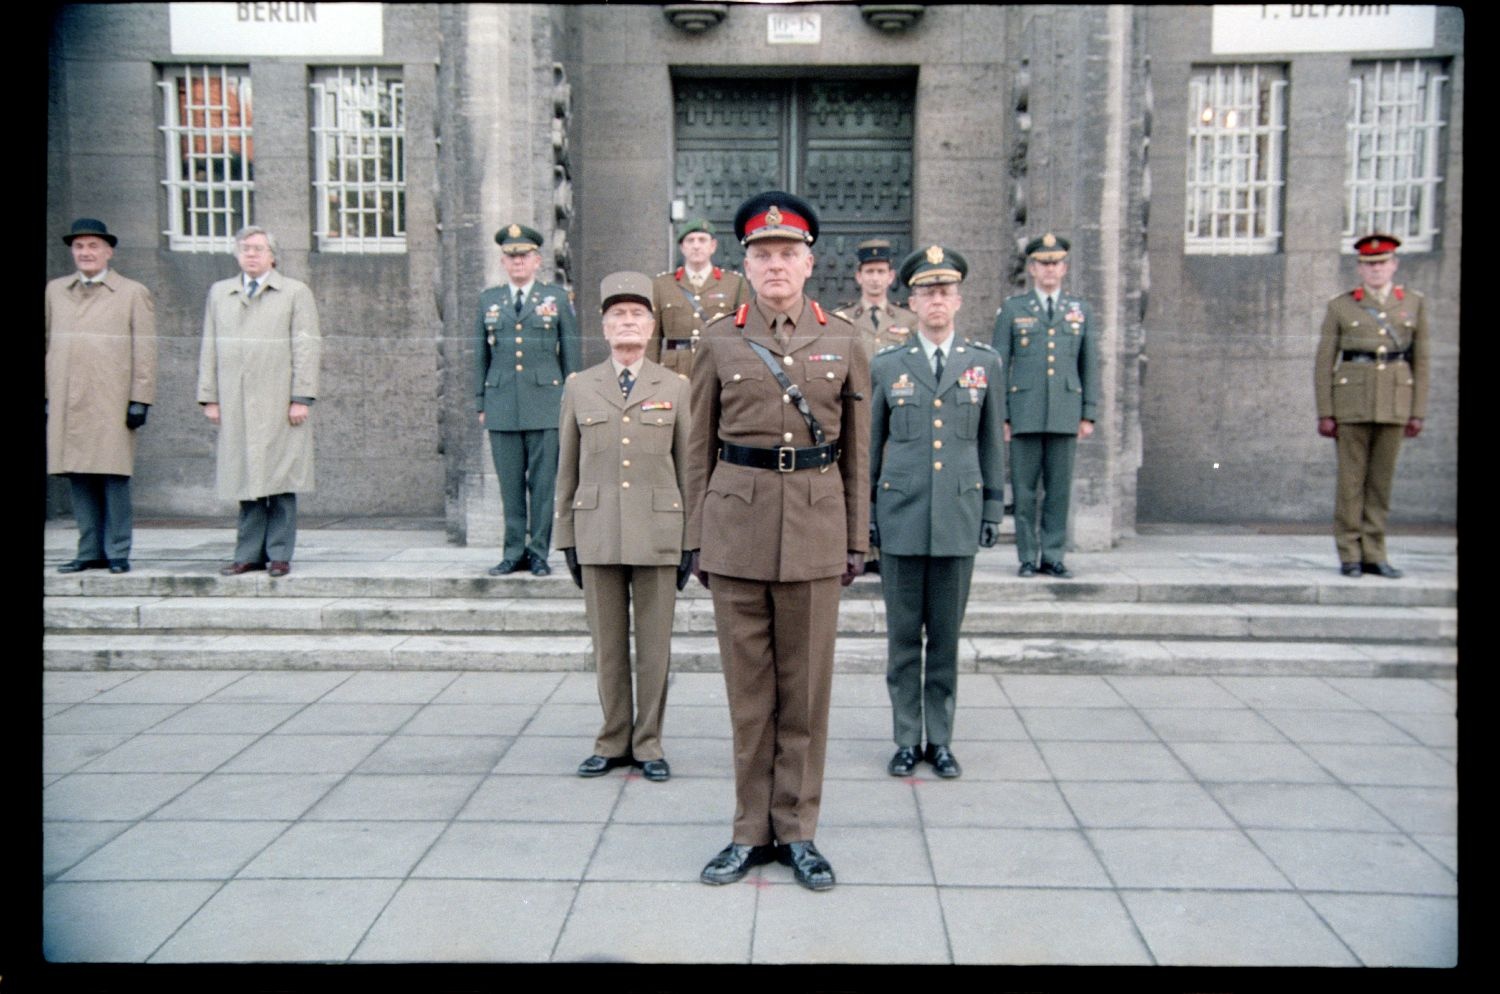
x=675 y=344
x=1352 y=356
x=783 y=459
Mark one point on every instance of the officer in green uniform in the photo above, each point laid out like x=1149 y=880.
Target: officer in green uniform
x=526 y=345
x=1051 y=358
x=879 y=320
x=1371 y=387
x=690 y=296
x=937 y=468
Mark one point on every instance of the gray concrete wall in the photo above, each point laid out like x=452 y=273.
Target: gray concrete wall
x=378 y=446
x=1227 y=411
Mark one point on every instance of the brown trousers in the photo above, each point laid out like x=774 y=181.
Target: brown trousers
x=1367 y=466
x=776 y=643
x=607 y=592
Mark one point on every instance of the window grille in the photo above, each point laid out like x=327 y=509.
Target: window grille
x=1236 y=130
x=210 y=155
x=1395 y=131
x=359 y=134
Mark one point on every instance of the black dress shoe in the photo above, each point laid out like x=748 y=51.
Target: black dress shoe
x=1350 y=569
x=656 y=770
x=904 y=761
x=943 y=761
x=79 y=565
x=238 y=569
x=872 y=566
x=1055 y=569
x=1027 y=569
x=597 y=766
x=119 y=565
x=808 y=865
x=1383 y=569
x=505 y=566
x=539 y=567
x=734 y=861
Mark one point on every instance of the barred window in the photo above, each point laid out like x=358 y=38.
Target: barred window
x=1395 y=135
x=359 y=130
x=1236 y=128
x=210 y=155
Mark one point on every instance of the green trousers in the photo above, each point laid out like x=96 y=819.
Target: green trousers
x=1367 y=465
x=924 y=595
x=526 y=463
x=1042 y=461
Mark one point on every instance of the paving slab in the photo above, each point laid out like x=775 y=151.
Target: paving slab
x=465 y=921
x=116 y=921
x=1185 y=928
x=1029 y=927
x=604 y=924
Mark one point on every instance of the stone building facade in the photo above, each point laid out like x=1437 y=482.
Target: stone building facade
x=972 y=125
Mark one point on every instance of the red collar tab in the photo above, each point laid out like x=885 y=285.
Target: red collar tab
x=818 y=312
x=681 y=271
x=1358 y=293
x=742 y=315
x=718 y=273
x=1400 y=292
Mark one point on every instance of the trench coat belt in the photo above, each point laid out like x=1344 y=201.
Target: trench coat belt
x=1351 y=355
x=784 y=458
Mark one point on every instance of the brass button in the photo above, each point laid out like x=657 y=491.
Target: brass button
x=519 y=326
x=624 y=441
x=736 y=376
x=1381 y=314
x=1380 y=365
x=519 y=367
x=1051 y=345
x=1051 y=372
x=937 y=403
x=625 y=485
x=625 y=462
x=626 y=419
x=787 y=359
x=886 y=486
x=1382 y=331
x=937 y=443
x=900 y=401
x=937 y=465
x=1051 y=331
x=786 y=398
x=937 y=422
x=519 y=339
x=675 y=504
x=830 y=374
x=519 y=353
x=786 y=437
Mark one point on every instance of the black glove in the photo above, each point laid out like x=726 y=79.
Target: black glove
x=989 y=533
x=874 y=533
x=571 y=555
x=684 y=570
x=135 y=415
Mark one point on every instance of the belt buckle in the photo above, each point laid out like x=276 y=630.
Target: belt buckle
x=786 y=458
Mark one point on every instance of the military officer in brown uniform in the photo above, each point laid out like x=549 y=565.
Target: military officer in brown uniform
x=689 y=297
x=621 y=456
x=778 y=507
x=879 y=321
x=1371 y=387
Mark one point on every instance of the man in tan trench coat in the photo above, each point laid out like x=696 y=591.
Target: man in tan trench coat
x=257 y=379
x=1371 y=387
x=622 y=452
x=101 y=379
x=779 y=510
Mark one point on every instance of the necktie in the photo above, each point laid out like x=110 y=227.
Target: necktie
x=519 y=301
x=937 y=364
x=1049 y=307
x=626 y=382
x=250 y=291
x=874 y=319
x=782 y=329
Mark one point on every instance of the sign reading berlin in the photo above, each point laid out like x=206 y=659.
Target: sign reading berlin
x=292 y=29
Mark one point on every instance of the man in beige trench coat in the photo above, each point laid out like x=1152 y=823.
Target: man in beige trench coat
x=257 y=379
x=622 y=453
x=101 y=378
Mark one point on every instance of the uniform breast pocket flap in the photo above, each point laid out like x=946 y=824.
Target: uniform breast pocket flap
x=741 y=372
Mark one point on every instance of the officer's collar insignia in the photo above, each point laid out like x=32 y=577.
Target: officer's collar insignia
x=935 y=255
x=773 y=216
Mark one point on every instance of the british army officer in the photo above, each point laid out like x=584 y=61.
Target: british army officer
x=622 y=450
x=778 y=509
x=1051 y=359
x=527 y=344
x=937 y=467
x=1371 y=386
x=689 y=297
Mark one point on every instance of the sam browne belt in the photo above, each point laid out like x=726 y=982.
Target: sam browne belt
x=783 y=459
x=1351 y=355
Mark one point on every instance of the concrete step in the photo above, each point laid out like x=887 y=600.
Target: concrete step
x=857 y=616
x=694 y=653
x=993 y=583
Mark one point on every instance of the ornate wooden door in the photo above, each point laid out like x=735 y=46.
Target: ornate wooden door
x=844 y=145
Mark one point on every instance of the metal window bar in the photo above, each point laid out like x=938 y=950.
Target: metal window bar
x=1394 y=142
x=1234 y=168
x=207 y=129
x=360 y=182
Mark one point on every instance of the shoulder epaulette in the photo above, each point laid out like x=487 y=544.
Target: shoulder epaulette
x=890 y=348
x=664 y=272
x=975 y=344
x=715 y=320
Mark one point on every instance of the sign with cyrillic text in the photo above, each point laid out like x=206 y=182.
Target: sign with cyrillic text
x=1247 y=29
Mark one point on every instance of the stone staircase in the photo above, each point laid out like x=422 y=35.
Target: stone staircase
x=1196 y=611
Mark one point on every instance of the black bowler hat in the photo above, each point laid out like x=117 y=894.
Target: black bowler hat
x=933 y=265
x=90 y=226
x=776 y=214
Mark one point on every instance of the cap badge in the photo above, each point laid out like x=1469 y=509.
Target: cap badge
x=514 y=231
x=935 y=255
x=1049 y=239
x=773 y=216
